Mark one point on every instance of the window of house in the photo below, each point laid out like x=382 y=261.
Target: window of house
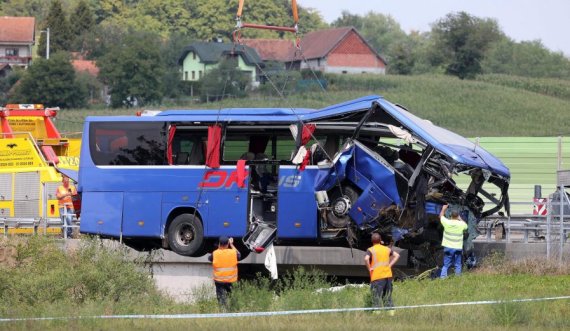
x=345 y=72
x=11 y=52
x=185 y=75
x=193 y=56
x=200 y=74
x=193 y=74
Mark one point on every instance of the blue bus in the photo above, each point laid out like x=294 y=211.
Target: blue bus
x=179 y=179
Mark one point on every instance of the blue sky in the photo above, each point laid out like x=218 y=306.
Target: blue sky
x=547 y=20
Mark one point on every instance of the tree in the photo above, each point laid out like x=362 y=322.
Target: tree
x=34 y=8
x=51 y=82
x=59 y=30
x=460 y=42
x=225 y=80
x=82 y=22
x=173 y=86
x=133 y=70
x=381 y=31
x=526 y=58
x=7 y=83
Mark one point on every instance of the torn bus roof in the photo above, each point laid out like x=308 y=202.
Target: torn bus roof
x=458 y=148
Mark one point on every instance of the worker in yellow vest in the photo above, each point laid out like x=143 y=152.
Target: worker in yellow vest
x=224 y=261
x=452 y=241
x=379 y=260
x=64 y=194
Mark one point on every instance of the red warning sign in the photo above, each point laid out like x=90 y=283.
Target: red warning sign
x=540 y=206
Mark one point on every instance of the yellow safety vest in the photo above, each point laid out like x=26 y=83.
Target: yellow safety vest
x=380 y=262
x=225 y=263
x=453 y=233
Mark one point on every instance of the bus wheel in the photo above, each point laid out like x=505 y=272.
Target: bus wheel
x=338 y=217
x=186 y=235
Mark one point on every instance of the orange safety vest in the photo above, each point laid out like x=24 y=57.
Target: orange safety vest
x=66 y=200
x=225 y=264
x=380 y=262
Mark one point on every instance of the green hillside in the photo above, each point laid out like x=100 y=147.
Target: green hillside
x=469 y=107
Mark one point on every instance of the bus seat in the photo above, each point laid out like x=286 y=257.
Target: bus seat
x=182 y=158
x=248 y=156
x=197 y=157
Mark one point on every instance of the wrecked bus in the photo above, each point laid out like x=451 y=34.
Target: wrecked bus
x=179 y=179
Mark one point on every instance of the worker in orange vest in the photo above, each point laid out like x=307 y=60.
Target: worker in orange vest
x=64 y=195
x=224 y=261
x=379 y=260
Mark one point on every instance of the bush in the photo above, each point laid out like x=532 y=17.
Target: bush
x=42 y=274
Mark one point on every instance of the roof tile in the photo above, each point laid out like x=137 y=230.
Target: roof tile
x=17 y=29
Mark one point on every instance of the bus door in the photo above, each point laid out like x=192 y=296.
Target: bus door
x=263 y=203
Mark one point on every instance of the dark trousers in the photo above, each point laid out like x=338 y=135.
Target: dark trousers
x=382 y=292
x=222 y=292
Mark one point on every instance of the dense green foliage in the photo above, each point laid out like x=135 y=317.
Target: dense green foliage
x=60 y=32
x=462 y=40
x=51 y=82
x=224 y=81
x=134 y=71
x=527 y=58
x=82 y=21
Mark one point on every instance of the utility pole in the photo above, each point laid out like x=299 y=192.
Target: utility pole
x=47 y=42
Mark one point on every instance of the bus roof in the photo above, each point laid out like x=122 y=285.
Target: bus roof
x=278 y=115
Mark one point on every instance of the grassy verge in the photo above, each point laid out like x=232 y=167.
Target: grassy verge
x=38 y=279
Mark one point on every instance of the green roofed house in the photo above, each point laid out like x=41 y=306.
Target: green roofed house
x=200 y=57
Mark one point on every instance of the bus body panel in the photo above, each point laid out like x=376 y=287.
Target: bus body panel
x=102 y=213
x=297 y=215
x=142 y=214
x=228 y=212
x=372 y=168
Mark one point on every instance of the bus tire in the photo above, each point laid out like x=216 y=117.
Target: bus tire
x=348 y=194
x=186 y=235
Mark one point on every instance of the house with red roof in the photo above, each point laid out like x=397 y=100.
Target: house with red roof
x=17 y=36
x=338 y=50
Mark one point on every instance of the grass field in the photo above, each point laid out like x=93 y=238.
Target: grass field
x=492 y=106
x=40 y=280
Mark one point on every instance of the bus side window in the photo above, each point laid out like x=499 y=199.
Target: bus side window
x=188 y=147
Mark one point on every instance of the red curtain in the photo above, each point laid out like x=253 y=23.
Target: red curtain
x=213 y=149
x=308 y=130
x=170 y=139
